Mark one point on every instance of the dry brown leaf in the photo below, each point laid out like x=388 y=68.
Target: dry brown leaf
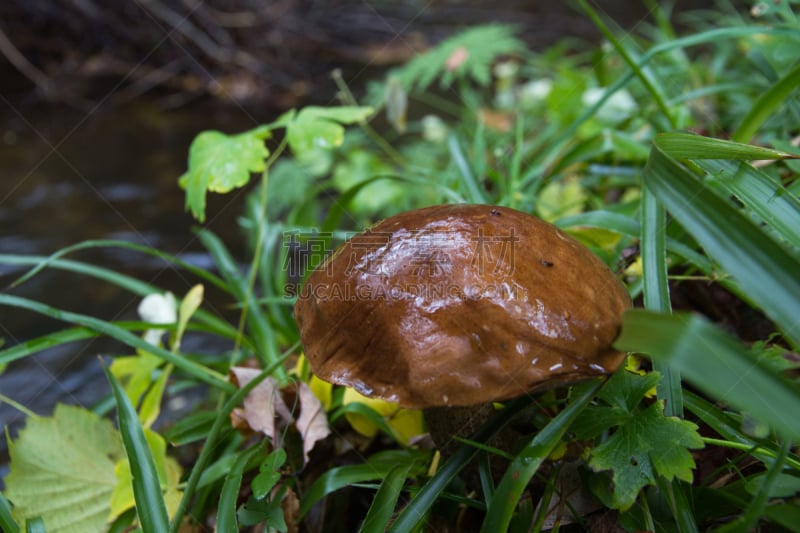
x=312 y=422
x=265 y=409
x=263 y=406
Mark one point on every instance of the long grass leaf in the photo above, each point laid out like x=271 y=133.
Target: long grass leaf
x=111 y=243
x=380 y=512
x=475 y=192
x=766 y=105
x=715 y=363
x=762 y=267
x=150 y=506
x=656 y=291
x=106 y=328
x=123 y=281
x=766 y=197
x=7 y=523
x=525 y=465
x=690 y=146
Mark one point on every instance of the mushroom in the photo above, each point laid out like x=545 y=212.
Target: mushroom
x=460 y=305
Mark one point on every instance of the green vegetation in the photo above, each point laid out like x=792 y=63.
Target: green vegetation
x=674 y=158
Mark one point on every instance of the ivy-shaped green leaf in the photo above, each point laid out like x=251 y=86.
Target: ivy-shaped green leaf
x=220 y=163
x=645 y=443
x=320 y=127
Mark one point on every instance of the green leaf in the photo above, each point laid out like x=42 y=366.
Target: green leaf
x=715 y=363
x=380 y=512
x=321 y=127
x=766 y=105
x=625 y=389
x=7 y=523
x=150 y=505
x=189 y=305
x=220 y=163
x=646 y=444
x=690 y=146
x=62 y=469
x=474 y=50
x=269 y=473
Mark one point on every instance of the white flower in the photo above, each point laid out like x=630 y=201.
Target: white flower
x=158 y=309
x=434 y=129
x=535 y=92
x=616 y=109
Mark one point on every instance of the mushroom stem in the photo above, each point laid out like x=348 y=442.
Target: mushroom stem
x=446 y=423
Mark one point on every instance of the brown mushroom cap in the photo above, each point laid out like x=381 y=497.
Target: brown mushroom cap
x=460 y=305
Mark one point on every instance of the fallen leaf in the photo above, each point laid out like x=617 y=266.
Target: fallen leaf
x=312 y=422
x=265 y=409
x=263 y=406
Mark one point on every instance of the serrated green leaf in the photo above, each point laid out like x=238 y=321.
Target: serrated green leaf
x=62 y=469
x=477 y=48
x=219 y=163
x=648 y=443
x=321 y=127
x=625 y=389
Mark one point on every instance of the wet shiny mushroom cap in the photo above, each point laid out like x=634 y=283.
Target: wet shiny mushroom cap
x=460 y=305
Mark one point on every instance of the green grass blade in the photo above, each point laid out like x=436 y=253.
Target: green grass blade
x=525 y=465
x=7 y=523
x=226 y=511
x=106 y=328
x=417 y=508
x=110 y=243
x=656 y=291
x=715 y=363
x=475 y=192
x=690 y=146
x=766 y=197
x=127 y=283
x=150 y=505
x=376 y=467
x=380 y=512
x=766 y=105
x=764 y=269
